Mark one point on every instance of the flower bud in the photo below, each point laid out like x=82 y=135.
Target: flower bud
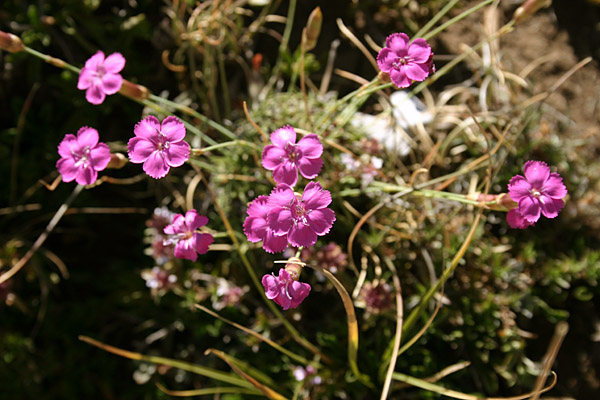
x=313 y=29
x=294 y=267
x=528 y=9
x=117 y=161
x=134 y=91
x=10 y=42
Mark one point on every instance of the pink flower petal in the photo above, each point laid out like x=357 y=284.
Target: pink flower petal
x=147 y=128
x=255 y=229
x=518 y=188
x=302 y=235
x=536 y=172
x=271 y=285
x=86 y=77
x=550 y=207
x=111 y=83
x=314 y=197
x=416 y=72
x=155 y=166
x=386 y=59
x=399 y=78
x=274 y=244
x=86 y=176
x=94 y=94
x=554 y=186
x=95 y=62
x=100 y=156
x=419 y=51
x=67 y=145
x=321 y=221
x=114 y=63
x=66 y=167
x=310 y=146
x=283 y=135
x=176 y=226
x=281 y=196
x=184 y=249
x=286 y=173
x=398 y=43
x=529 y=209
x=87 y=137
x=298 y=292
x=139 y=149
x=194 y=220
x=280 y=220
x=173 y=129
x=273 y=157
x=177 y=154
x=310 y=167
x=259 y=207
x=515 y=219
x=202 y=241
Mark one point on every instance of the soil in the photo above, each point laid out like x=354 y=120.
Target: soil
x=558 y=38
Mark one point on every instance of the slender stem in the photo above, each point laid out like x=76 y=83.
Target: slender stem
x=224 y=144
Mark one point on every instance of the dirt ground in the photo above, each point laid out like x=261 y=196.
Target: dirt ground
x=554 y=41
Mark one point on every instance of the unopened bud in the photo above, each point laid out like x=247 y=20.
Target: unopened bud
x=10 y=42
x=313 y=29
x=383 y=77
x=117 y=161
x=528 y=9
x=294 y=267
x=134 y=91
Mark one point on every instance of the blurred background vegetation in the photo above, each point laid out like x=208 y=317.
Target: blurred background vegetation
x=90 y=278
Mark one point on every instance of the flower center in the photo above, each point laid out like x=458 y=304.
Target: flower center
x=82 y=157
x=293 y=153
x=163 y=143
x=535 y=193
x=400 y=61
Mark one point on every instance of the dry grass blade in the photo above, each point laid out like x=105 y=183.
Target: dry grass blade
x=267 y=391
x=348 y=33
x=196 y=369
x=559 y=334
x=206 y=391
x=420 y=383
x=398 y=335
x=352 y=323
x=441 y=374
x=257 y=335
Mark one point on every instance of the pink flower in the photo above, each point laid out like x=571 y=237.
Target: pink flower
x=285 y=157
x=257 y=229
x=158 y=145
x=284 y=289
x=100 y=76
x=404 y=61
x=539 y=192
x=82 y=156
x=516 y=221
x=302 y=219
x=188 y=242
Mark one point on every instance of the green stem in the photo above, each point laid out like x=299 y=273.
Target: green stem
x=153 y=99
x=436 y=18
x=454 y=20
x=227 y=144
